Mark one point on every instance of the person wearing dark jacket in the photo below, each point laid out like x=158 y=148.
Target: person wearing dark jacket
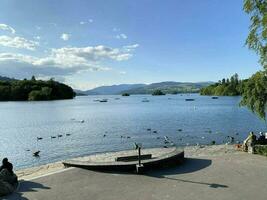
x=6 y=165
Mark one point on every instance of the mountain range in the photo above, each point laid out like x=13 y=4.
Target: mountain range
x=168 y=87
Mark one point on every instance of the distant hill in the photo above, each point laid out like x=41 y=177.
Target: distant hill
x=79 y=92
x=113 y=89
x=169 y=87
x=3 y=78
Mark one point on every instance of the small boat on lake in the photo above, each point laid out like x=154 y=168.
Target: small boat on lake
x=103 y=100
x=145 y=100
x=189 y=99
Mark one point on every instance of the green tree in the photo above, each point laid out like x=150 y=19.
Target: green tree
x=257 y=38
x=157 y=93
x=254 y=89
x=255 y=94
x=23 y=90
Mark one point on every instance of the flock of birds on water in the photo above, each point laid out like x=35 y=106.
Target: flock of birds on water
x=167 y=142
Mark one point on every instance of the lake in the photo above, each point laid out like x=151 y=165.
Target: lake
x=123 y=121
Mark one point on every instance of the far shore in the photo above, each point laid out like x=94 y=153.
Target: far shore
x=190 y=151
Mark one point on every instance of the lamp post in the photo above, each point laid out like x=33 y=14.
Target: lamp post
x=139 y=166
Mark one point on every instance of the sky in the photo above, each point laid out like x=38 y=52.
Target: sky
x=90 y=43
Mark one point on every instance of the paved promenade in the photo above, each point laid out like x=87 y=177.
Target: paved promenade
x=231 y=176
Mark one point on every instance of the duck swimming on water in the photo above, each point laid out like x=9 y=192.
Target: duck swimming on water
x=36 y=153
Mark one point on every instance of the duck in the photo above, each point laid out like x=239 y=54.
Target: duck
x=39 y=138
x=36 y=153
x=59 y=135
x=68 y=134
x=52 y=137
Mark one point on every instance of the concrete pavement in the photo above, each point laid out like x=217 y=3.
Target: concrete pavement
x=230 y=176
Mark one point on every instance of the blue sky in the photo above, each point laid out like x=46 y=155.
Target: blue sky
x=98 y=42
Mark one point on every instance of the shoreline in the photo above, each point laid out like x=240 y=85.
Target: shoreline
x=190 y=151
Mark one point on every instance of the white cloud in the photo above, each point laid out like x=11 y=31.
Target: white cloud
x=62 y=62
x=18 y=42
x=37 y=37
x=130 y=48
x=121 y=36
x=38 y=27
x=115 y=29
x=122 y=72
x=53 y=24
x=86 y=22
x=133 y=46
x=65 y=36
x=5 y=27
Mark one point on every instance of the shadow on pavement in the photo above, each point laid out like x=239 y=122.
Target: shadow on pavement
x=190 y=165
x=25 y=186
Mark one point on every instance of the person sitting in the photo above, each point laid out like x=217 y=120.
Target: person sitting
x=8 y=179
x=6 y=165
x=249 y=141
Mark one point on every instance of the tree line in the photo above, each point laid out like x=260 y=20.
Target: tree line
x=254 y=89
x=225 y=87
x=34 y=90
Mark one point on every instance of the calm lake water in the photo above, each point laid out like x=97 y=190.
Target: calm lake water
x=201 y=121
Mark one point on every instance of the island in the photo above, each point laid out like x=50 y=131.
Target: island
x=34 y=90
x=125 y=94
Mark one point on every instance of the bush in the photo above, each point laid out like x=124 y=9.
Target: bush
x=260 y=149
